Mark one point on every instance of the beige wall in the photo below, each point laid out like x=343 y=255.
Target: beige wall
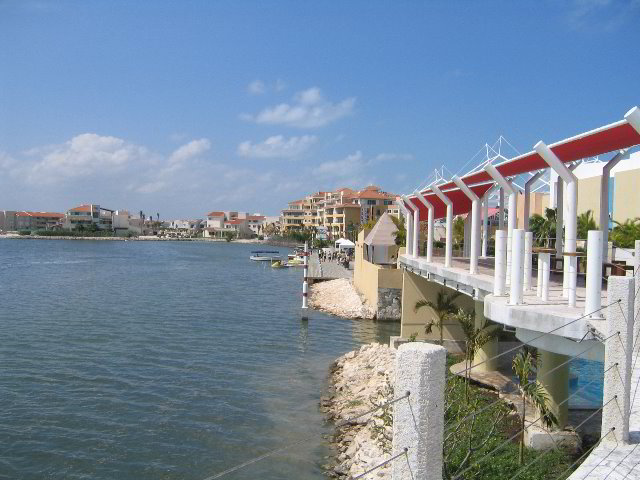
x=626 y=201
x=538 y=203
x=589 y=196
x=415 y=288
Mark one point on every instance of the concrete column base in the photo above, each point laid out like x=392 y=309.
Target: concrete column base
x=555 y=383
x=489 y=349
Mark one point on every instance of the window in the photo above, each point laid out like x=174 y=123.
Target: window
x=388 y=202
x=371 y=202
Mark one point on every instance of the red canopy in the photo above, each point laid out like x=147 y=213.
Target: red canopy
x=611 y=137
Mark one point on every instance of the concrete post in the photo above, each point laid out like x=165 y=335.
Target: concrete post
x=429 y=206
x=517 y=257
x=555 y=381
x=485 y=223
x=594 y=274
x=416 y=233
x=409 y=227
x=405 y=211
x=418 y=422
x=449 y=225
x=539 y=284
x=618 y=352
x=500 y=266
x=528 y=259
x=546 y=270
x=559 y=216
x=474 y=237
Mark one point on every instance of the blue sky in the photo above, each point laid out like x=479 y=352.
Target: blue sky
x=185 y=107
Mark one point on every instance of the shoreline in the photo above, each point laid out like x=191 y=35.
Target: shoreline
x=339 y=297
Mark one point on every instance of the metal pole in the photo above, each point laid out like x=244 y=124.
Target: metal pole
x=305 y=277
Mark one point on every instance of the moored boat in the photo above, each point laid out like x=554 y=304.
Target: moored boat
x=265 y=255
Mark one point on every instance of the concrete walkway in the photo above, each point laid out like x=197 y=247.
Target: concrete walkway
x=327 y=270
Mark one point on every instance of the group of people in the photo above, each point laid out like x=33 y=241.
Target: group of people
x=334 y=256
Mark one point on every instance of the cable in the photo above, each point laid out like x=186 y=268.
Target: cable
x=589 y=450
x=404 y=452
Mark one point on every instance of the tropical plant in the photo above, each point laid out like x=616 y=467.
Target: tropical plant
x=228 y=236
x=458 y=231
x=475 y=338
x=586 y=223
x=543 y=228
x=400 y=235
x=525 y=364
x=158 y=215
x=625 y=234
x=444 y=307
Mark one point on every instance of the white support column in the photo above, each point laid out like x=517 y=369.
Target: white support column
x=594 y=274
x=517 y=257
x=636 y=308
x=528 y=259
x=500 y=266
x=507 y=186
x=485 y=223
x=559 y=216
x=429 y=206
x=418 y=421
x=501 y=210
x=539 y=283
x=407 y=220
x=475 y=224
x=527 y=198
x=616 y=397
x=449 y=226
x=415 y=228
x=604 y=201
x=571 y=226
x=546 y=268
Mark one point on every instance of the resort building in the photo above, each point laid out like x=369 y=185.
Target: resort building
x=87 y=215
x=218 y=223
x=340 y=212
x=37 y=220
x=552 y=299
x=7 y=220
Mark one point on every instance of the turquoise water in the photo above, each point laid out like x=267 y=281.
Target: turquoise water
x=160 y=360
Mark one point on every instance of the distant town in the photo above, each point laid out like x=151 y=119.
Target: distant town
x=324 y=215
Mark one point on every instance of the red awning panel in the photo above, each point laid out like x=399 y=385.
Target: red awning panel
x=609 y=138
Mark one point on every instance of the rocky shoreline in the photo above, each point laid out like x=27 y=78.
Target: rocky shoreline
x=339 y=297
x=361 y=380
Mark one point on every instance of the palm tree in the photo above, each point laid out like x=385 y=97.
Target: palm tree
x=458 y=231
x=475 y=338
x=543 y=228
x=158 y=215
x=444 y=307
x=400 y=235
x=524 y=365
x=586 y=223
x=625 y=234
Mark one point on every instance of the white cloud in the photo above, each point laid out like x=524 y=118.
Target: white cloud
x=257 y=87
x=357 y=164
x=6 y=161
x=84 y=155
x=308 y=110
x=607 y=15
x=277 y=147
x=151 y=187
x=190 y=150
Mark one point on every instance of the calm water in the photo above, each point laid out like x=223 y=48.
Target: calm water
x=159 y=360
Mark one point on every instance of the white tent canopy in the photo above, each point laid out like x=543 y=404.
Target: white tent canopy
x=344 y=244
x=380 y=245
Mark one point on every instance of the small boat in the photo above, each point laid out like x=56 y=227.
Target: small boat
x=278 y=264
x=265 y=255
x=295 y=262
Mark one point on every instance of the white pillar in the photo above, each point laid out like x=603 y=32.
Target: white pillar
x=485 y=223
x=429 y=206
x=418 y=422
x=474 y=237
x=559 y=217
x=618 y=352
x=412 y=238
x=539 y=283
x=500 y=265
x=571 y=225
x=305 y=275
x=517 y=257
x=527 y=197
x=604 y=200
x=449 y=226
x=501 y=210
x=528 y=259
x=594 y=274
x=407 y=220
x=636 y=265
x=513 y=205
x=546 y=267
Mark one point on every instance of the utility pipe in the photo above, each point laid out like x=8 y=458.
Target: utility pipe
x=572 y=215
x=429 y=206
x=475 y=223
x=449 y=226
